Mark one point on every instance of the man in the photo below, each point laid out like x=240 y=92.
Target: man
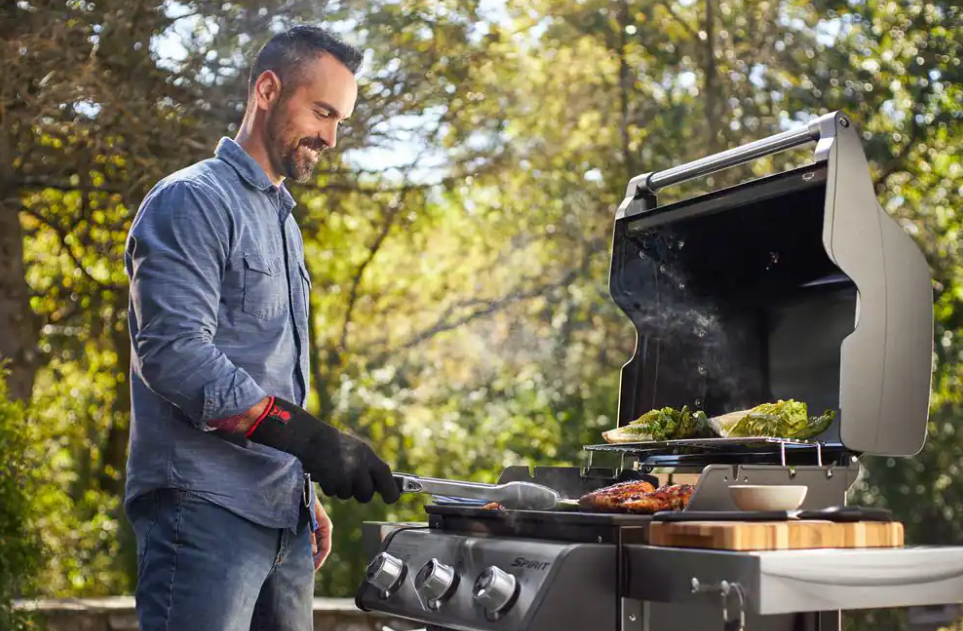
x=222 y=453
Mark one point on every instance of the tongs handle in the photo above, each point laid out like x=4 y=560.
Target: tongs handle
x=514 y=495
x=435 y=486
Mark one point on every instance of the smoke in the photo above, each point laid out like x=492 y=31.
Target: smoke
x=702 y=348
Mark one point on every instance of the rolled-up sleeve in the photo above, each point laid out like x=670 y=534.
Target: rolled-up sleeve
x=176 y=256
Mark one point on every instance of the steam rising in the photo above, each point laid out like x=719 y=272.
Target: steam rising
x=705 y=352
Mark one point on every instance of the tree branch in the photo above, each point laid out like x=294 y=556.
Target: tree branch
x=170 y=21
x=366 y=190
x=899 y=162
x=63 y=316
x=443 y=323
x=43 y=182
x=681 y=22
x=373 y=249
x=62 y=234
x=406 y=187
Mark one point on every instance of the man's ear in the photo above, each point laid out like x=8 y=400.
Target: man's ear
x=267 y=89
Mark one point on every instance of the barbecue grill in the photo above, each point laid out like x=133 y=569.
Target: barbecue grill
x=796 y=285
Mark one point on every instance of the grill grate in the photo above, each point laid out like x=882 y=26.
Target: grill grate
x=702 y=451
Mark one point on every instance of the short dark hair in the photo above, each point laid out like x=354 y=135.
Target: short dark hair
x=286 y=53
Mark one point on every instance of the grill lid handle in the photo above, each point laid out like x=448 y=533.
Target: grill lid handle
x=652 y=182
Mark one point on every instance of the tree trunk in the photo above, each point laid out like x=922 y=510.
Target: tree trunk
x=114 y=456
x=624 y=91
x=114 y=459
x=19 y=329
x=712 y=86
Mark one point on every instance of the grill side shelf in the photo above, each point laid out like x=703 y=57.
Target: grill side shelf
x=780 y=582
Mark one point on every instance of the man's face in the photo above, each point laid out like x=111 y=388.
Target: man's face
x=304 y=121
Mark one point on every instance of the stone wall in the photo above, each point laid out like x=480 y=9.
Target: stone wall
x=117 y=614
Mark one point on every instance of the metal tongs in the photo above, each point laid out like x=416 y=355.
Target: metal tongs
x=511 y=495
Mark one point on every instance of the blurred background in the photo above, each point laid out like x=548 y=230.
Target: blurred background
x=458 y=238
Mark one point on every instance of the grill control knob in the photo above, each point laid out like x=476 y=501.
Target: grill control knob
x=495 y=590
x=386 y=573
x=435 y=582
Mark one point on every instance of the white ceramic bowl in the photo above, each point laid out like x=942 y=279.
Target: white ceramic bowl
x=767 y=497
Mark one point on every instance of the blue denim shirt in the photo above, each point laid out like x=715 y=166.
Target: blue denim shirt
x=218 y=320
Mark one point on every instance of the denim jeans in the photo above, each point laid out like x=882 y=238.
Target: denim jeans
x=204 y=568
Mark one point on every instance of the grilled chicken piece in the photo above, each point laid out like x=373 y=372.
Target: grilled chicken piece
x=667 y=497
x=611 y=498
x=638 y=497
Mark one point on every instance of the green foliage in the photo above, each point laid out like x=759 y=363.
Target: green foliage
x=460 y=318
x=20 y=551
x=77 y=519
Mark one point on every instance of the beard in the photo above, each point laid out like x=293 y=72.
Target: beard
x=294 y=156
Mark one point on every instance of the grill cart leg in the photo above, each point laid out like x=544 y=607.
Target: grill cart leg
x=830 y=621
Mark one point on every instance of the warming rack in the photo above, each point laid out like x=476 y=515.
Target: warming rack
x=704 y=451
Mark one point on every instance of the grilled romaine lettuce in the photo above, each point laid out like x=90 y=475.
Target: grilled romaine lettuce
x=816 y=425
x=782 y=419
x=662 y=424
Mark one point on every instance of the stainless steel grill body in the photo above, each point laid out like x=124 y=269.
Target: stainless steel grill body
x=546 y=573
x=570 y=585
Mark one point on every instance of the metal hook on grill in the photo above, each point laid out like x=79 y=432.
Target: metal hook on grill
x=729 y=625
x=588 y=466
x=725 y=588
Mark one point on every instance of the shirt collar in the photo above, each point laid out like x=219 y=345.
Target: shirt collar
x=287 y=201
x=234 y=154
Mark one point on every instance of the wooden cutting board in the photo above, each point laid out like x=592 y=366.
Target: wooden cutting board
x=781 y=535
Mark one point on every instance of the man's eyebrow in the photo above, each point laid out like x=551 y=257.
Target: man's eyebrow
x=330 y=108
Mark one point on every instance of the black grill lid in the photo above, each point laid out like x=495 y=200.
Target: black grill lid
x=798 y=285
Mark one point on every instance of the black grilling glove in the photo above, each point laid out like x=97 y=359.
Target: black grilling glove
x=344 y=466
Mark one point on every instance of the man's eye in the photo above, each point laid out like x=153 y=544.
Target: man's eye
x=322 y=114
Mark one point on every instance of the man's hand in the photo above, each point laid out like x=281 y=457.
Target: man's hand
x=342 y=465
x=321 y=538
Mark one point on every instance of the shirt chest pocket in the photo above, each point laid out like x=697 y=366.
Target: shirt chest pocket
x=265 y=288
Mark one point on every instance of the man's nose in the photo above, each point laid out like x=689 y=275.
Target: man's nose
x=329 y=134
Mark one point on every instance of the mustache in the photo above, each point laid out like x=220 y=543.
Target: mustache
x=315 y=144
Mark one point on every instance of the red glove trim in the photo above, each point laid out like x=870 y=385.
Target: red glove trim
x=267 y=410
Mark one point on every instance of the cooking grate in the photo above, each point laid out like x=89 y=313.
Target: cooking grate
x=703 y=451
x=561 y=525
